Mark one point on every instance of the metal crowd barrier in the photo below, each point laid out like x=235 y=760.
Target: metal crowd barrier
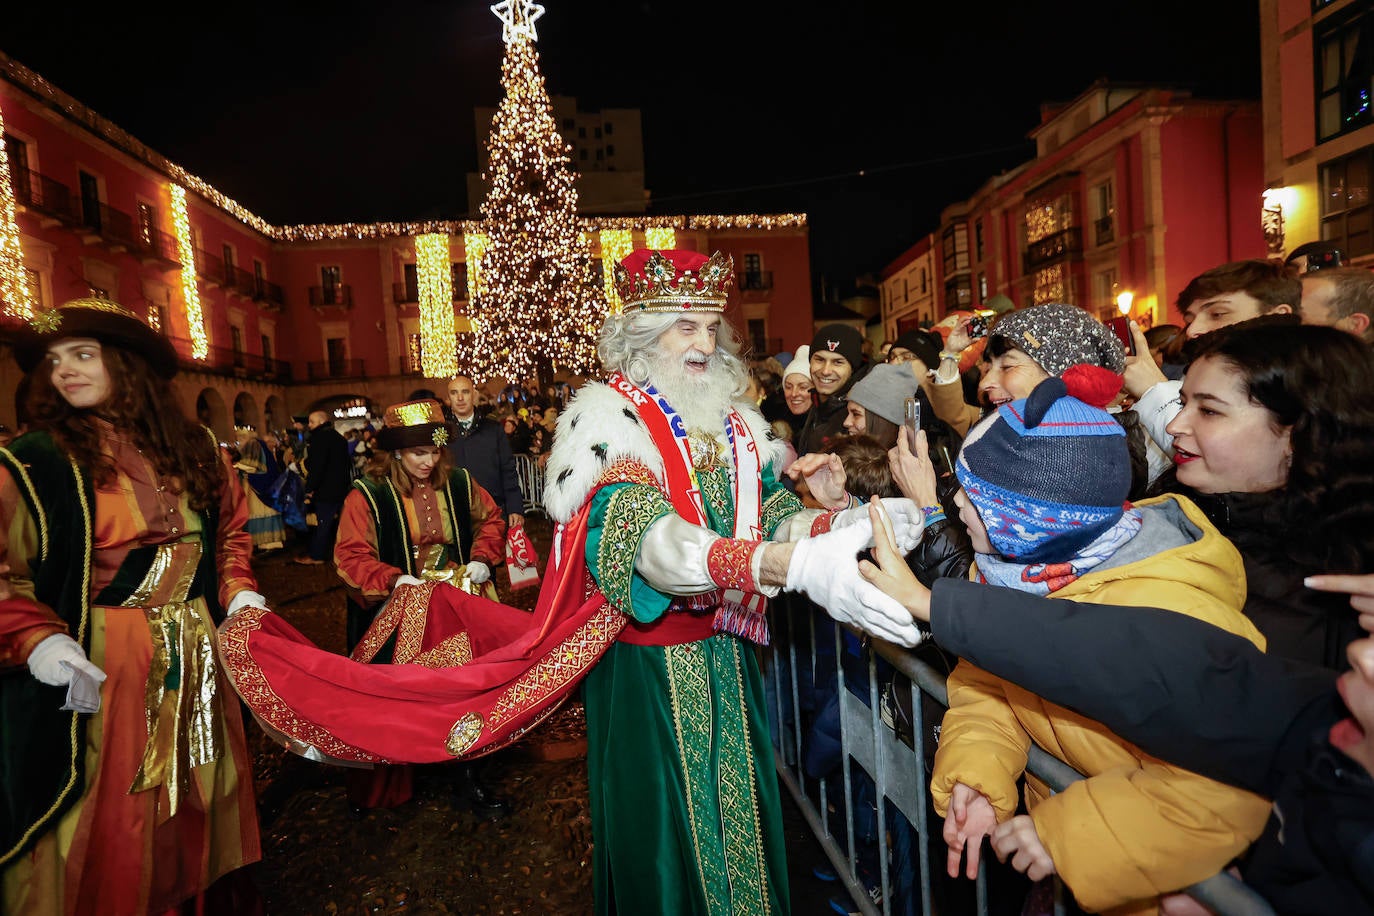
x=897 y=770
x=531 y=477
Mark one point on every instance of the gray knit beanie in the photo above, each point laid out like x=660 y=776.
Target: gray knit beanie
x=1058 y=336
x=884 y=390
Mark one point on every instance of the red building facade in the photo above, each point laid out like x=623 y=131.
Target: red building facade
x=290 y=317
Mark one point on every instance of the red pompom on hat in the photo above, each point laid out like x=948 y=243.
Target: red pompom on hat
x=1092 y=385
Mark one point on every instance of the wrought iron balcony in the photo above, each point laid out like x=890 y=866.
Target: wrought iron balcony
x=336 y=368
x=405 y=292
x=1104 y=230
x=240 y=280
x=209 y=267
x=235 y=363
x=341 y=295
x=755 y=281
x=1051 y=248
x=115 y=227
x=269 y=294
x=46 y=196
x=156 y=245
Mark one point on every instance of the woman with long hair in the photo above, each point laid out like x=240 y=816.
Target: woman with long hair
x=411 y=517
x=127 y=781
x=1275 y=442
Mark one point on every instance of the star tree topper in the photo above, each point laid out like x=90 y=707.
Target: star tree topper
x=517 y=19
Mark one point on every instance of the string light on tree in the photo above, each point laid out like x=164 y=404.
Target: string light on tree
x=14 y=287
x=536 y=293
x=186 y=253
x=435 y=277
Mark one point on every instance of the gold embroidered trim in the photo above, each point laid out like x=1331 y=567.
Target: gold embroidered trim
x=252 y=685
x=630 y=511
x=777 y=507
x=745 y=860
x=565 y=662
x=689 y=692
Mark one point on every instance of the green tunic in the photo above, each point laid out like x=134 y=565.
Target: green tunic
x=685 y=805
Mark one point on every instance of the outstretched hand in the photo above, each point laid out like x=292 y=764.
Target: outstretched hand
x=891 y=574
x=1360 y=589
x=970 y=818
x=825 y=478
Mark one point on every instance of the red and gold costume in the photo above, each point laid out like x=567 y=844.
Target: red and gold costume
x=158 y=796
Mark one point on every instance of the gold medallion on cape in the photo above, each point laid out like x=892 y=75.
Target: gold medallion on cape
x=705 y=449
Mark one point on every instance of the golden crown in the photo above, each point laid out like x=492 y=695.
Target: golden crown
x=660 y=286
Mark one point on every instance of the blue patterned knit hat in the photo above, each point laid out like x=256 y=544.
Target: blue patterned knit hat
x=1047 y=474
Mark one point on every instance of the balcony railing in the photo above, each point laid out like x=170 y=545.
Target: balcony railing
x=1065 y=243
x=115 y=227
x=405 y=292
x=755 y=281
x=341 y=295
x=236 y=363
x=209 y=267
x=336 y=368
x=240 y=280
x=156 y=245
x=1104 y=230
x=269 y=294
x=44 y=195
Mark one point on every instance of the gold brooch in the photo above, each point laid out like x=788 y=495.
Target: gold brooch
x=705 y=450
x=464 y=734
x=46 y=322
x=440 y=436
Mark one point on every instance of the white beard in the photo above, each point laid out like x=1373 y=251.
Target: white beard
x=701 y=400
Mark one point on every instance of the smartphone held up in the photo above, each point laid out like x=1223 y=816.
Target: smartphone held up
x=1121 y=327
x=911 y=422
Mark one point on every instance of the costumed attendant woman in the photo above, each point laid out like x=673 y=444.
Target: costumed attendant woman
x=411 y=517
x=123 y=544
x=260 y=470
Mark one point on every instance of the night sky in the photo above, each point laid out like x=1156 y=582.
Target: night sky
x=868 y=116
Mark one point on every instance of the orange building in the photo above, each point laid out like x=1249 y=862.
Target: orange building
x=272 y=321
x=1132 y=190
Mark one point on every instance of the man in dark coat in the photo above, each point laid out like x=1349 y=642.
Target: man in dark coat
x=836 y=364
x=482 y=447
x=328 y=473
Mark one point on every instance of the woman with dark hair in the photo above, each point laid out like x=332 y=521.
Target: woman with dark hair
x=1275 y=442
x=412 y=517
x=123 y=546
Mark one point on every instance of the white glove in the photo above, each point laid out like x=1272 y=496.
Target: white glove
x=826 y=568
x=45 y=661
x=908 y=521
x=478 y=572
x=403 y=579
x=244 y=598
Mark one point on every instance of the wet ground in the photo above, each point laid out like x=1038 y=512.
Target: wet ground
x=432 y=854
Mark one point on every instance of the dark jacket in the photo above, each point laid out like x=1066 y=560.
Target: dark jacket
x=825 y=422
x=328 y=465
x=1201 y=698
x=484 y=450
x=1298 y=623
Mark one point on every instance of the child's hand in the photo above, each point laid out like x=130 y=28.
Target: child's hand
x=1018 y=840
x=970 y=818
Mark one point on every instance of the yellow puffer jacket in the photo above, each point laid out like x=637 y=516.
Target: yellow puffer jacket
x=1137 y=827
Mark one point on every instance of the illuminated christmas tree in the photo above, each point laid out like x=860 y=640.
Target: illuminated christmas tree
x=537 y=295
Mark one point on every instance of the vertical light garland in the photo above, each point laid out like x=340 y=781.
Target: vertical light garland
x=660 y=239
x=14 y=288
x=434 y=273
x=186 y=253
x=615 y=245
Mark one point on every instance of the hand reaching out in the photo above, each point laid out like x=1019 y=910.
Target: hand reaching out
x=891 y=574
x=1360 y=589
x=1017 y=840
x=970 y=818
x=913 y=471
x=825 y=478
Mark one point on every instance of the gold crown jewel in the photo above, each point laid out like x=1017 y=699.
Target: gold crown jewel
x=662 y=288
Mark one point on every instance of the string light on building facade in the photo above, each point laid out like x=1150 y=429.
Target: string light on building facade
x=186 y=253
x=435 y=277
x=660 y=238
x=616 y=244
x=474 y=246
x=14 y=287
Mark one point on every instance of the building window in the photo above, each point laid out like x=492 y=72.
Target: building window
x=978 y=240
x=1049 y=285
x=147 y=222
x=18 y=152
x=582 y=155
x=228 y=255
x=90 y=200
x=266 y=349
x=33 y=280
x=923 y=281
x=597 y=133
x=982 y=287
x=955 y=243
x=610 y=149
x=413 y=353
x=906 y=290
x=1345 y=67
x=236 y=343
x=1345 y=209
x=458 y=275
x=609 y=129
x=1101 y=200
x=958 y=293
x=582 y=133
x=1104 y=293
x=600 y=154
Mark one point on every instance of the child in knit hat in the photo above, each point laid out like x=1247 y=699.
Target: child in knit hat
x=1043 y=484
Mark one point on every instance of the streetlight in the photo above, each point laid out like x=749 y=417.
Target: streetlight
x=1124 y=300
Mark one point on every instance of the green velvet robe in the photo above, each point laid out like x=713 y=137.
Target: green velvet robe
x=685 y=803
